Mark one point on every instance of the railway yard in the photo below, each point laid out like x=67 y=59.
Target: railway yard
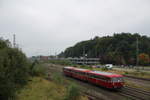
x=132 y=91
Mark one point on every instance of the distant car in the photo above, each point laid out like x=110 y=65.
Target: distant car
x=94 y=66
x=109 y=66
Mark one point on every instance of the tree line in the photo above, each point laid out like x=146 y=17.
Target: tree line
x=119 y=49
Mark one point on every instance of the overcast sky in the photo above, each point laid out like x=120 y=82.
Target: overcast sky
x=43 y=27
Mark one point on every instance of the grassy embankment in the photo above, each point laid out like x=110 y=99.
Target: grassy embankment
x=41 y=89
x=52 y=88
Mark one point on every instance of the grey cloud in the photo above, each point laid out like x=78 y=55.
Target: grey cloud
x=49 y=26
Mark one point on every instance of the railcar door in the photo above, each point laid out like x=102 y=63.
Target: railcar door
x=101 y=80
x=91 y=78
x=79 y=76
x=82 y=76
x=75 y=74
x=108 y=82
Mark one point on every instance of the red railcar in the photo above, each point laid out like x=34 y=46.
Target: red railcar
x=68 y=71
x=104 y=79
x=78 y=73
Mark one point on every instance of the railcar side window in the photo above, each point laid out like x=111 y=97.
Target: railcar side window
x=90 y=75
x=117 y=79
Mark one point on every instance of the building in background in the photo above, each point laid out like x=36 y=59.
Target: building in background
x=85 y=61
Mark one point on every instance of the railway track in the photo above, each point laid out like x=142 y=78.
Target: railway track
x=143 y=79
x=134 y=93
x=127 y=92
x=96 y=93
x=138 y=90
x=91 y=96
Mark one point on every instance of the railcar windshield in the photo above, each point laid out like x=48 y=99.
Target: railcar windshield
x=117 y=79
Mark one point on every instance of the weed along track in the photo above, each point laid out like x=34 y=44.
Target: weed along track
x=97 y=93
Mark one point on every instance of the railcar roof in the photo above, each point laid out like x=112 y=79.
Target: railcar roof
x=106 y=74
x=69 y=67
x=80 y=69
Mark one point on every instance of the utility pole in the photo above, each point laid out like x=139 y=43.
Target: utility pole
x=84 y=55
x=56 y=55
x=137 y=52
x=14 y=41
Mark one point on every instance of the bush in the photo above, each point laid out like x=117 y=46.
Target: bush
x=57 y=78
x=126 y=72
x=38 y=70
x=73 y=93
x=13 y=71
x=104 y=69
x=86 y=67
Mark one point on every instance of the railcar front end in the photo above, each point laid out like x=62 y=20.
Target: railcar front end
x=117 y=82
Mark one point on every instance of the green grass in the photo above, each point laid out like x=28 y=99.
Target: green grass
x=138 y=74
x=73 y=92
x=57 y=78
x=38 y=70
x=41 y=89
